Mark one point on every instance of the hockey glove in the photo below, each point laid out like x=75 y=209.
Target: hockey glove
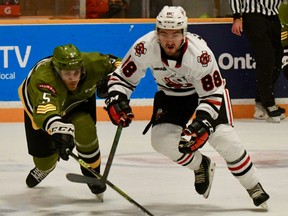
x=62 y=138
x=102 y=87
x=118 y=108
x=199 y=136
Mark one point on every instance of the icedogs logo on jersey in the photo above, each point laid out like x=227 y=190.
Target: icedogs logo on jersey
x=140 y=49
x=204 y=59
x=177 y=82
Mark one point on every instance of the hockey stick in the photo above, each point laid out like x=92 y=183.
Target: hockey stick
x=99 y=181
x=110 y=184
x=112 y=152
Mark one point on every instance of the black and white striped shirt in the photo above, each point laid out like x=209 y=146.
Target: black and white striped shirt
x=265 y=7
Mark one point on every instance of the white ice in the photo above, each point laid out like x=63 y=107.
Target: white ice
x=153 y=181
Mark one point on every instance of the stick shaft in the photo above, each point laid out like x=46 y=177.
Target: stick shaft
x=84 y=164
x=112 y=152
x=110 y=184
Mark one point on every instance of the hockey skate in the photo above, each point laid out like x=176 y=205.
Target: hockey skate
x=259 y=196
x=36 y=176
x=204 y=176
x=275 y=114
x=260 y=113
x=98 y=191
x=271 y=114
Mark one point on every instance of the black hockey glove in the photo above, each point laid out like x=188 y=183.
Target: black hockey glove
x=118 y=108
x=199 y=130
x=102 y=87
x=62 y=138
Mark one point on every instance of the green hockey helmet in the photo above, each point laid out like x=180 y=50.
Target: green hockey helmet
x=66 y=57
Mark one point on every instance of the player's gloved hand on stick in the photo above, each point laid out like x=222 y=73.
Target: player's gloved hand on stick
x=118 y=108
x=199 y=132
x=62 y=137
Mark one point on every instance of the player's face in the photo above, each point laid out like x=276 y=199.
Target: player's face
x=170 y=41
x=71 y=78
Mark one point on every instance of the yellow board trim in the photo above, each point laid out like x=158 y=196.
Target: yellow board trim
x=69 y=20
x=140 y=112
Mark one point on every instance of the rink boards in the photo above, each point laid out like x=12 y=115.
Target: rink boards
x=22 y=43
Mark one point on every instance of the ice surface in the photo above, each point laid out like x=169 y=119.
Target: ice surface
x=152 y=180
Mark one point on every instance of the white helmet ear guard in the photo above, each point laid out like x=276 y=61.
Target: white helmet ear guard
x=172 y=17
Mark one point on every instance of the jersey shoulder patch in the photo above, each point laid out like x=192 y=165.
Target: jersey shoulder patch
x=140 y=48
x=143 y=44
x=48 y=87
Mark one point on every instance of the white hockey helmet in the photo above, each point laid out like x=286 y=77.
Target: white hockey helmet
x=172 y=17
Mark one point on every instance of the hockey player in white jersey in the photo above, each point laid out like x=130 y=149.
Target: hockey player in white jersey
x=189 y=81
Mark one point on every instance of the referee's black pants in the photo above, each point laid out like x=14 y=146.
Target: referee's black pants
x=264 y=36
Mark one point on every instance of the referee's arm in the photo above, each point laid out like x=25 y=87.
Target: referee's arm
x=236 y=8
x=237 y=26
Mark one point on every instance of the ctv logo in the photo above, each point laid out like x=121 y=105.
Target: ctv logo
x=9 y=52
x=226 y=61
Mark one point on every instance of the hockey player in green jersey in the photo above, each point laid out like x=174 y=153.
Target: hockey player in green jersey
x=59 y=101
x=283 y=15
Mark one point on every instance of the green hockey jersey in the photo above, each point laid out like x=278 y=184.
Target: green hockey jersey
x=45 y=96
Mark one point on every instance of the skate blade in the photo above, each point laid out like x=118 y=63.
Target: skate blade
x=274 y=119
x=264 y=206
x=260 y=116
x=212 y=171
x=100 y=197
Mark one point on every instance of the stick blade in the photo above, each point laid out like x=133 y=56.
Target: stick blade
x=76 y=178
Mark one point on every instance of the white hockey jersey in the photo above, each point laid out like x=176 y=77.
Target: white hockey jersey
x=195 y=72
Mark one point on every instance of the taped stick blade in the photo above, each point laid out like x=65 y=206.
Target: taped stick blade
x=76 y=178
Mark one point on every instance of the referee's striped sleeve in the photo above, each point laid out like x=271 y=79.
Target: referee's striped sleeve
x=265 y=7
